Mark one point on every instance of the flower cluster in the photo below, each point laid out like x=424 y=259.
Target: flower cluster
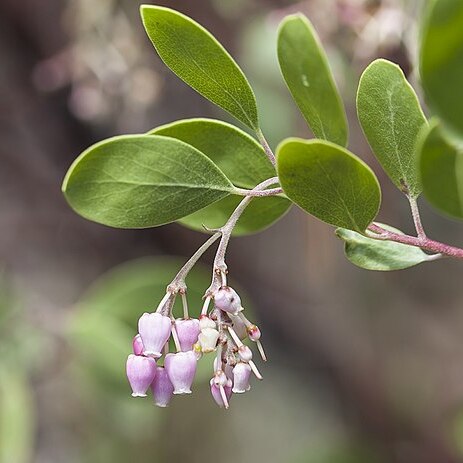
x=222 y=330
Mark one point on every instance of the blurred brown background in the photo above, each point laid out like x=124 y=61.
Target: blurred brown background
x=364 y=366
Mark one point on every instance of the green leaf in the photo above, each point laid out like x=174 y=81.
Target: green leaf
x=329 y=182
x=307 y=73
x=391 y=118
x=242 y=160
x=192 y=53
x=259 y=214
x=441 y=168
x=233 y=151
x=441 y=60
x=17 y=420
x=372 y=254
x=135 y=181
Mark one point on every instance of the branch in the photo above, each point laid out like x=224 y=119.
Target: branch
x=266 y=146
x=220 y=267
x=416 y=217
x=178 y=284
x=263 y=193
x=420 y=242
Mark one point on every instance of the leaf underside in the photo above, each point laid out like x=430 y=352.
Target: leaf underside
x=372 y=254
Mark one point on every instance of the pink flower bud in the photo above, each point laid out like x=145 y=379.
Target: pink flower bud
x=245 y=353
x=227 y=299
x=187 y=331
x=162 y=388
x=253 y=333
x=220 y=378
x=154 y=330
x=181 y=368
x=137 y=345
x=241 y=375
x=221 y=394
x=141 y=372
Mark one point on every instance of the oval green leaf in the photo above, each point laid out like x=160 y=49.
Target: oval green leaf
x=233 y=151
x=441 y=168
x=441 y=60
x=135 y=181
x=195 y=56
x=372 y=254
x=307 y=73
x=391 y=118
x=242 y=160
x=329 y=182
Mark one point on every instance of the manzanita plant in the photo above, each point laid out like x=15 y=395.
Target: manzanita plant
x=212 y=176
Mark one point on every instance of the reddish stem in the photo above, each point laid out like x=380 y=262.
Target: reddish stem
x=421 y=242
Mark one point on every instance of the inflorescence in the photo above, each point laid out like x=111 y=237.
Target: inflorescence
x=222 y=329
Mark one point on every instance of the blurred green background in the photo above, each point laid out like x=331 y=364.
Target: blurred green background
x=364 y=366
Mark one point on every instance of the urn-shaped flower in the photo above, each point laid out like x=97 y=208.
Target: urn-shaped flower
x=187 y=332
x=162 y=388
x=154 y=330
x=141 y=372
x=181 y=369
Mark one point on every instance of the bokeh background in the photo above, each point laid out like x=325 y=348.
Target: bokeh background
x=364 y=366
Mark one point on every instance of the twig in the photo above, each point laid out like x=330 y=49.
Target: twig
x=266 y=146
x=220 y=266
x=424 y=242
x=416 y=217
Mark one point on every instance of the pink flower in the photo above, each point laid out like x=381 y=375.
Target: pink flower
x=221 y=394
x=137 y=345
x=227 y=299
x=154 y=330
x=187 y=331
x=181 y=369
x=162 y=388
x=141 y=372
x=241 y=375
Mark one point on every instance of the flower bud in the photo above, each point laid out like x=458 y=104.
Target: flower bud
x=208 y=338
x=227 y=299
x=245 y=353
x=206 y=322
x=253 y=332
x=221 y=394
x=241 y=375
x=137 y=345
x=220 y=378
x=181 y=369
x=162 y=388
x=154 y=330
x=141 y=372
x=187 y=332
